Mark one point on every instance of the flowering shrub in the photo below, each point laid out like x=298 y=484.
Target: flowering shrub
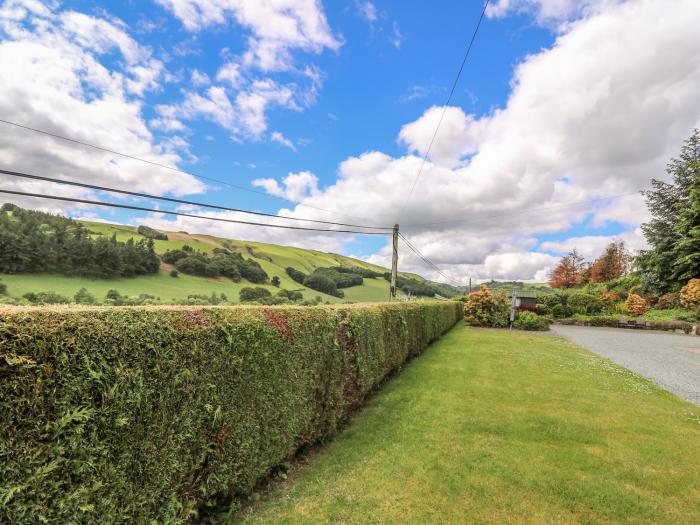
x=690 y=295
x=484 y=308
x=610 y=297
x=636 y=304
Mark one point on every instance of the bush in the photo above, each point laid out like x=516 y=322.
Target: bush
x=690 y=295
x=292 y=295
x=636 y=304
x=157 y=415
x=249 y=294
x=3 y=289
x=559 y=310
x=82 y=296
x=322 y=283
x=668 y=301
x=530 y=321
x=583 y=303
x=46 y=298
x=174 y=273
x=484 y=308
x=275 y=281
x=296 y=275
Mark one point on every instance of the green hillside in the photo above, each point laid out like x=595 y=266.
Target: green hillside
x=273 y=259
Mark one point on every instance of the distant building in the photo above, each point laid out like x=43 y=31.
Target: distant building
x=524 y=299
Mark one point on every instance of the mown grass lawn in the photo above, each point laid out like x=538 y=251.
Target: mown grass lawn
x=500 y=427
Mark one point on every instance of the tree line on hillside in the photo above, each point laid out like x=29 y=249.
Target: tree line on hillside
x=673 y=235
x=37 y=242
x=222 y=263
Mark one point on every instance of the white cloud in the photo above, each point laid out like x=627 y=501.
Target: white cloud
x=591 y=246
x=198 y=78
x=367 y=10
x=295 y=187
x=230 y=73
x=55 y=78
x=458 y=135
x=277 y=27
x=550 y=12
x=276 y=136
x=580 y=123
x=396 y=39
x=244 y=116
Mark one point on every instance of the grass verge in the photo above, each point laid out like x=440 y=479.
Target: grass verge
x=499 y=427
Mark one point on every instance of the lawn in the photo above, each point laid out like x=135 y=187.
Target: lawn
x=500 y=427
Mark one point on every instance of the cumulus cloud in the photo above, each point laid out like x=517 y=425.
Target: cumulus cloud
x=592 y=246
x=295 y=186
x=276 y=27
x=550 y=12
x=598 y=114
x=458 y=135
x=56 y=77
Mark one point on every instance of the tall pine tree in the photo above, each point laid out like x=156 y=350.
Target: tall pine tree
x=674 y=230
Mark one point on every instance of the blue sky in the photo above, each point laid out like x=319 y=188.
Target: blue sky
x=331 y=106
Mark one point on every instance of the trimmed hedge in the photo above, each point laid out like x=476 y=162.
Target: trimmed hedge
x=162 y=414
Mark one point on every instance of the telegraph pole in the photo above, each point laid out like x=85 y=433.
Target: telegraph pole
x=394 y=264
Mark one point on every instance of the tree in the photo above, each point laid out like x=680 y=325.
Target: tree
x=249 y=293
x=674 y=229
x=568 y=271
x=275 y=281
x=612 y=264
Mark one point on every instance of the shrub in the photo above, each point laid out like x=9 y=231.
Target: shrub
x=296 y=275
x=275 y=281
x=82 y=296
x=559 y=310
x=174 y=273
x=322 y=283
x=156 y=415
x=636 y=304
x=253 y=294
x=484 y=308
x=530 y=321
x=583 y=303
x=690 y=295
x=3 y=289
x=292 y=295
x=668 y=301
x=46 y=298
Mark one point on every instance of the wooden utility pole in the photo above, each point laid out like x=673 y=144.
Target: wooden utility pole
x=394 y=264
x=470 y=285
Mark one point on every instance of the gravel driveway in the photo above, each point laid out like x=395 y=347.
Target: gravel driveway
x=671 y=361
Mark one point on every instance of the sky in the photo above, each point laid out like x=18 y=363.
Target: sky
x=565 y=110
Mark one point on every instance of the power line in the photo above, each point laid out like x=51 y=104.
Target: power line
x=179 y=201
x=449 y=99
x=181 y=214
x=161 y=165
x=522 y=212
x=426 y=260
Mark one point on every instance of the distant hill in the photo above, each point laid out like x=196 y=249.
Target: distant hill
x=273 y=259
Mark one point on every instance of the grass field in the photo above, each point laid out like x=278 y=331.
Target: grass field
x=273 y=258
x=499 y=427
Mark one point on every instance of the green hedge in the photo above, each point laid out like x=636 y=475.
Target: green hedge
x=143 y=415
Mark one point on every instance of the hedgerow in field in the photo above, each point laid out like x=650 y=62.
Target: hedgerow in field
x=166 y=414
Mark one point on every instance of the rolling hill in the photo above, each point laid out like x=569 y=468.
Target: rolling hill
x=274 y=259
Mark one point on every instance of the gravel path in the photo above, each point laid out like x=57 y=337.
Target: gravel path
x=669 y=360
